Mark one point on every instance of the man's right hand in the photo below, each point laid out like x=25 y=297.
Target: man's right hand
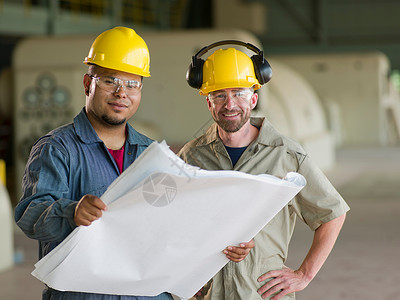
x=89 y=209
x=237 y=254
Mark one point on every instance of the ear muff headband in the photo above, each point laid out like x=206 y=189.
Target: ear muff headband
x=262 y=69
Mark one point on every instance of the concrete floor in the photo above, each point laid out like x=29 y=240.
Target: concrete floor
x=364 y=263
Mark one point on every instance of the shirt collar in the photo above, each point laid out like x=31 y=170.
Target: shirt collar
x=268 y=135
x=88 y=135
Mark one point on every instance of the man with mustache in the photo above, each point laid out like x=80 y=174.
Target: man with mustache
x=237 y=141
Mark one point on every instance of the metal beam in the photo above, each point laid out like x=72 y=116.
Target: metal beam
x=52 y=9
x=320 y=21
x=303 y=23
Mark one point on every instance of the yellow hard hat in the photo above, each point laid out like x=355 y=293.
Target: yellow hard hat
x=121 y=49
x=228 y=68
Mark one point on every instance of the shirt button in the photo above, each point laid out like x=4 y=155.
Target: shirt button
x=129 y=153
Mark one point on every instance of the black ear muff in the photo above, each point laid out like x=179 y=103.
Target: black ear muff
x=194 y=74
x=262 y=68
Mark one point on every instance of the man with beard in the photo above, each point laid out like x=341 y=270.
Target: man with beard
x=237 y=141
x=72 y=166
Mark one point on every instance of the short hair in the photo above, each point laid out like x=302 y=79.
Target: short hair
x=92 y=69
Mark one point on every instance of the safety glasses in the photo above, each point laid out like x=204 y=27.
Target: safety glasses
x=237 y=95
x=113 y=84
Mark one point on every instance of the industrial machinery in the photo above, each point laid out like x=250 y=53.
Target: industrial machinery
x=356 y=94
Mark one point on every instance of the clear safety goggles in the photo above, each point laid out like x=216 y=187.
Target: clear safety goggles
x=113 y=84
x=237 y=95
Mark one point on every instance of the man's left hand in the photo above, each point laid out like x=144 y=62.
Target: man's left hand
x=237 y=254
x=283 y=282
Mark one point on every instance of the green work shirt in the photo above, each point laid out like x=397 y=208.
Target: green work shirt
x=270 y=153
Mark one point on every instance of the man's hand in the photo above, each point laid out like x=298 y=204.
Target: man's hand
x=89 y=208
x=284 y=281
x=237 y=254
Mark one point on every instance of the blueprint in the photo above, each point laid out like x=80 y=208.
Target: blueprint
x=165 y=228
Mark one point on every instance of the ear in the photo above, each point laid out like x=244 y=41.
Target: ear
x=86 y=84
x=209 y=105
x=253 y=100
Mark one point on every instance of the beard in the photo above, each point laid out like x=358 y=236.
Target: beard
x=113 y=121
x=231 y=126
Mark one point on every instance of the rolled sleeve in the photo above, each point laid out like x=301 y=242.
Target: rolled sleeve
x=318 y=202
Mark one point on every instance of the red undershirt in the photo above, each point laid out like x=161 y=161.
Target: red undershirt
x=118 y=156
